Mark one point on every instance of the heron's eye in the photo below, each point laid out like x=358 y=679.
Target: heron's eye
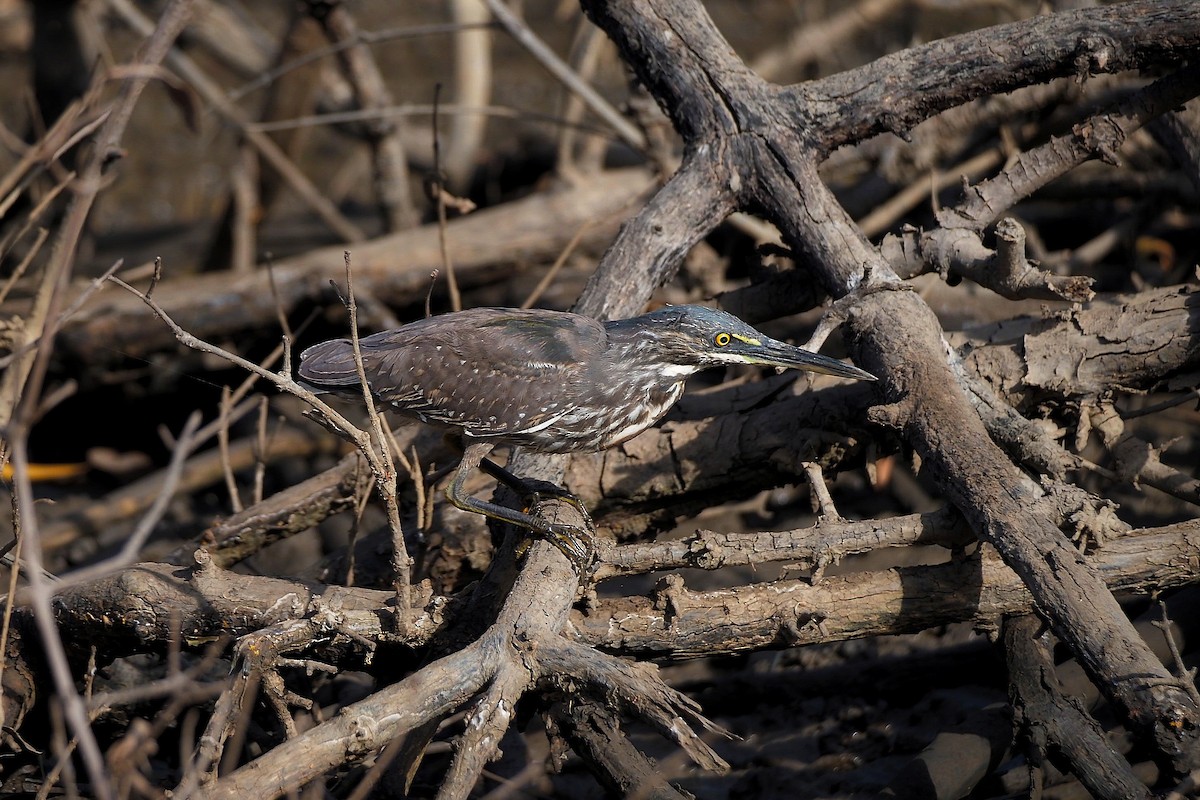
x=721 y=339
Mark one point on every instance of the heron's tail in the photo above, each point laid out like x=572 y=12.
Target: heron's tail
x=328 y=366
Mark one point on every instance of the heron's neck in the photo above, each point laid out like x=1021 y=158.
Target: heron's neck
x=637 y=355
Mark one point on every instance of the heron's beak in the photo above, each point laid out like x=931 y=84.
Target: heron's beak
x=773 y=353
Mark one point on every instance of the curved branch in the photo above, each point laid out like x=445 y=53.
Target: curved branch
x=960 y=251
x=672 y=66
x=896 y=92
x=219 y=303
x=651 y=245
x=434 y=691
x=1099 y=136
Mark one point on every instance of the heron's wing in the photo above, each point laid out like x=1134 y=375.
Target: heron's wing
x=504 y=373
x=493 y=372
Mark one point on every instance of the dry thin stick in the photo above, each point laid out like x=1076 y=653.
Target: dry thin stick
x=887 y=213
x=184 y=447
x=63 y=765
x=231 y=114
x=425 y=109
x=43 y=614
x=561 y=261
x=377 y=313
x=433 y=276
x=560 y=70
x=1187 y=677
x=1091 y=466
x=472 y=85
x=17 y=273
x=280 y=314
x=260 y=469
x=21 y=384
x=15 y=235
x=281 y=381
x=1122 y=233
x=424 y=497
x=55 y=536
x=378 y=457
x=821 y=39
x=385 y=476
x=439 y=198
x=13 y=574
x=585 y=53
x=822 y=499
x=413 y=468
x=54 y=327
x=1097 y=136
x=370 y=91
x=56 y=277
x=155 y=276
x=379 y=768
x=1190 y=394
x=557 y=266
x=245 y=210
x=235 y=501
x=87 y=129
x=823 y=502
x=360 y=506
x=50 y=143
x=359 y=37
x=233 y=729
x=834 y=315
x=178 y=682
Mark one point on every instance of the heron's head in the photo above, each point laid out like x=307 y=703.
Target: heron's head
x=703 y=337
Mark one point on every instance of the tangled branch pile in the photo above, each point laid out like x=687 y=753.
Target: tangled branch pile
x=803 y=588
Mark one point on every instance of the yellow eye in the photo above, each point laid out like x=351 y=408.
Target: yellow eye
x=721 y=339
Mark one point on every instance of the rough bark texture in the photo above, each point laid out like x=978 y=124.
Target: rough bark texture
x=730 y=116
x=1002 y=521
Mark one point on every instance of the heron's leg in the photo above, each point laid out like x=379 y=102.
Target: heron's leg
x=532 y=493
x=524 y=489
x=571 y=541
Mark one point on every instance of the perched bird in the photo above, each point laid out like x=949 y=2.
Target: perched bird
x=551 y=381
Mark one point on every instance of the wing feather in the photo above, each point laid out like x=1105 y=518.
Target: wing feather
x=492 y=372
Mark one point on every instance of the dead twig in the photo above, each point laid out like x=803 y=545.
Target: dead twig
x=555 y=66
x=235 y=500
x=133 y=545
x=438 y=192
x=370 y=91
x=377 y=455
x=215 y=97
x=473 y=88
x=382 y=464
x=27 y=385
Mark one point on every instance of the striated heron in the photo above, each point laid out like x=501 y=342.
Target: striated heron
x=551 y=381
